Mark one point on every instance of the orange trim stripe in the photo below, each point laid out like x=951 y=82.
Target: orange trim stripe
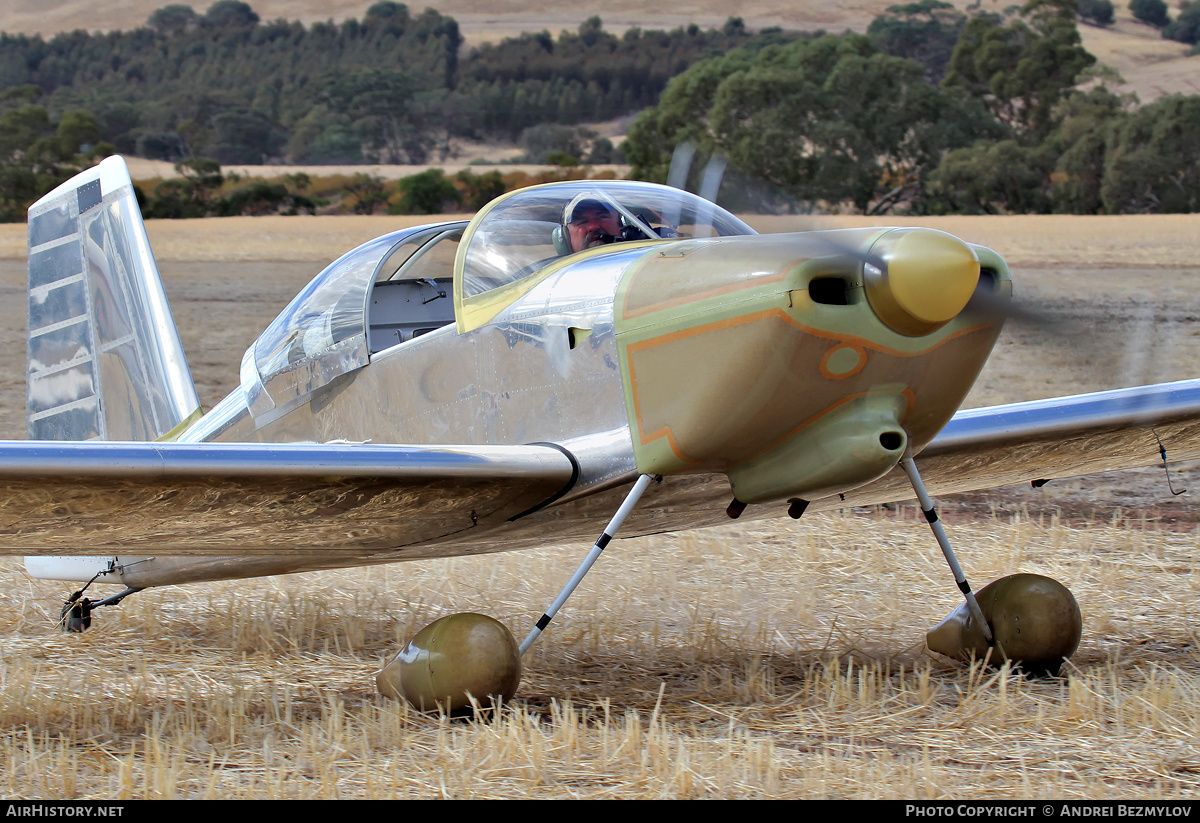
x=830 y=375
x=852 y=340
x=665 y=431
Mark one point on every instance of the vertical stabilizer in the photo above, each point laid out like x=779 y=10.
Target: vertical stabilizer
x=104 y=358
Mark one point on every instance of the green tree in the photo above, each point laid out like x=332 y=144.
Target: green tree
x=603 y=151
x=173 y=19
x=389 y=109
x=479 y=189
x=1097 y=12
x=1023 y=68
x=174 y=199
x=182 y=70
x=1082 y=143
x=18 y=190
x=37 y=154
x=158 y=145
x=1154 y=164
x=261 y=197
x=245 y=137
x=681 y=116
x=545 y=139
x=429 y=192
x=23 y=131
x=20 y=95
x=120 y=124
x=20 y=127
x=365 y=195
x=77 y=133
x=1185 y=28
x=1062 y=174
x=225 y=14
x=389 y=16
x=830 y=119
x=924 y=32
x=1153 y=12
x=991 y=177
x=322 y=136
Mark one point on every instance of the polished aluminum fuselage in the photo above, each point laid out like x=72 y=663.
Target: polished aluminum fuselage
x=517 y=380
x=547 y=370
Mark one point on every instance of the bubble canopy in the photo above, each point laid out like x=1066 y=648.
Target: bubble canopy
x=510 y=246
x=322 y=333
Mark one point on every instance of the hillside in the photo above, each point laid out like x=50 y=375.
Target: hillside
x=1151 y=66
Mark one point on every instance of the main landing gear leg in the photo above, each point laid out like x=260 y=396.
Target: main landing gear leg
x=914 y=477
x=470 y=657
x=76 y=614
x=610 y=531
x=1027 y=619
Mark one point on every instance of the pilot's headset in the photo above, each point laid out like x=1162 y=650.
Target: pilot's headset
x=585 y=202
x=630 y=228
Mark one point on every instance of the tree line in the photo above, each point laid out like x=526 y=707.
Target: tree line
x=393 y=87
x=202 y=189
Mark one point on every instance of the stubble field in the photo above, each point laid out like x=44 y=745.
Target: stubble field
x=776 y=659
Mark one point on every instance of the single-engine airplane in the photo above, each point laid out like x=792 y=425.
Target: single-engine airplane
x=579 y=357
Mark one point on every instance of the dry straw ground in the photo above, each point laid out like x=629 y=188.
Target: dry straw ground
x=776 y=659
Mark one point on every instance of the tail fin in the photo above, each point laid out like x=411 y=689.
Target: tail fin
x=104 y=357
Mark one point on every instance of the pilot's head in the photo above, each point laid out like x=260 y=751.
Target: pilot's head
x=590 y=222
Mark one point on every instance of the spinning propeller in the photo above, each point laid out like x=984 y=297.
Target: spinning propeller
x=914 y=281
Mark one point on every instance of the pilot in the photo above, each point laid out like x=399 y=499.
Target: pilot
x=587 y=223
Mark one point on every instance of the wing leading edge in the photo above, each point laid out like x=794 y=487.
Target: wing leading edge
x=251 y=499
x=1058 y=437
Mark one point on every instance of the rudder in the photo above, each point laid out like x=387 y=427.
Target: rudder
x=104 y=357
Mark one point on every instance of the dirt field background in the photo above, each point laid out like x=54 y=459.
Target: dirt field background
x=777 y=659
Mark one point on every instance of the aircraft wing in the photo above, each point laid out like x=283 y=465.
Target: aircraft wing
x=1059 y=437
x=221 y=499
x=241 y=498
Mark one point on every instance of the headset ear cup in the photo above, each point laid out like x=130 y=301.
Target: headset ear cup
x=562 y=243
x=629 y=231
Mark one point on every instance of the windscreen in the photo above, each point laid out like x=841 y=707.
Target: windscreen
x=520 y=234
